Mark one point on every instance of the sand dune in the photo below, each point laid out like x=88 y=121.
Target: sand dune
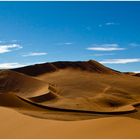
x=70 y=91
x=103 y=99
x=72 y=87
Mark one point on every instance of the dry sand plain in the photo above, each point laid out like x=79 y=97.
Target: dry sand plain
x=69 y=100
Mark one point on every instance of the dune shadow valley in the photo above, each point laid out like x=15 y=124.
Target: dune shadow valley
x=69 y=99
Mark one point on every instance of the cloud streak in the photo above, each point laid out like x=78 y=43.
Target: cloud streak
x=134 y=45
x=120 y=61
x=105 y=47
x=4 y=48
x=65 y=43
x=35 y=54
x=136 y=71
x=108 y=24
x=10 y=65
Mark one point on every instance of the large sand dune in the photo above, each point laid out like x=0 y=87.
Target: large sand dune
x=70 y=91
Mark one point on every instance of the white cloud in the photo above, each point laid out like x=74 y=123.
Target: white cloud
x=120 y=61
x=108 y=24
x=35 y=54
x=65 y=43
x=17 y=65
x=4 y=48
x=134 y=45
x=103 y=54
x=136 y=71
x=10 y=65
x=105 y=47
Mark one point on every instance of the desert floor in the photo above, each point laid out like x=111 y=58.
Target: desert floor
x=16 y=125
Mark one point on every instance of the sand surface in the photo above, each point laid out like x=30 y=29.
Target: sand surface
x=69 y=100
x=21 y=126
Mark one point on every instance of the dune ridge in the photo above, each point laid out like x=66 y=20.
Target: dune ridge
x=91 y=66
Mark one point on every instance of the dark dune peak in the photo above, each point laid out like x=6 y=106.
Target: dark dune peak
x=137 y=74
x=129 y=73
x=132 y=74
x=91 y=66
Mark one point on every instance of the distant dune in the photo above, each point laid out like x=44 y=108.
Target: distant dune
x=90 y=66
x=137 y=74
x=132 y=74
x=70 y=91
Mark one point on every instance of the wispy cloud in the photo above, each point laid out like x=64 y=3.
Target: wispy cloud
x=136 y=71
x=103 y=54
x=134 y=45
x=4 y=48
x=35 y=54
x=65 y=43
x=10 y=65
x=111 y=23
x=120 y=61
x=108 y=24
x=105 y=47
x=68 y=43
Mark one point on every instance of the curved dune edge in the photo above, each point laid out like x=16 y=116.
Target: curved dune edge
x=27 y=108
x=122 y=109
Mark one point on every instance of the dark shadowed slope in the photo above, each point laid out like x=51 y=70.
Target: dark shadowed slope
x=90 y=66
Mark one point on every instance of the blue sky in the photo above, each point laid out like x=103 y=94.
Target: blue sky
x=36 y=32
